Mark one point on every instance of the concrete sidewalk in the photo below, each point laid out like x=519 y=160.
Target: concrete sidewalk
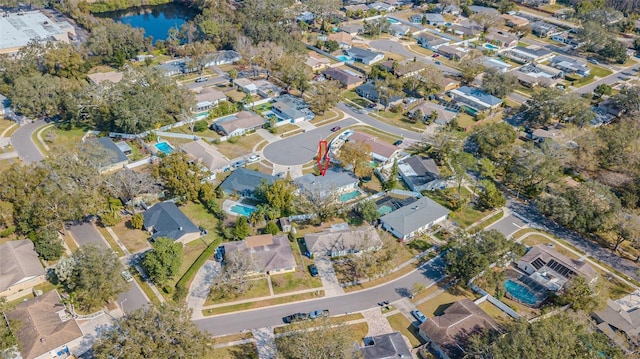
x=199 y=289
x=312 y=290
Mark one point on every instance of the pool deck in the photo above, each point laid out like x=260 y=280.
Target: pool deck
x=228 y=204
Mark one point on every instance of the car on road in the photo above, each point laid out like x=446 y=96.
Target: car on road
x=219 y=255
x=337 y=128
x=436 y=55
x=297 y=317
x=127 y=276
x=397 y=143
x=438 y=63
x=319 y=314
x=238 y=164
x=201 y=79
x=593 y=61
x=418 y=314
x=313 y=270
x=253 y=158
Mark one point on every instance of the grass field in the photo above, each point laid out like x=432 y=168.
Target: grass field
x=243 y=147
x=437 y=305
x=244 y=351
x=260 y=288
x=290 y=282
x=400 y=323
x=133 y=239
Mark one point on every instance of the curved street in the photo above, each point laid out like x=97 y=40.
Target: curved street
x=397 y=48
x=23 y=144
x=346 y=303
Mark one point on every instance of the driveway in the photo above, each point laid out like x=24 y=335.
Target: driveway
x=508 y=225
x=302 y=148
x=328 y=276
x=22 y=143
x=346 y=303
x=85 y=233
x=199 y=289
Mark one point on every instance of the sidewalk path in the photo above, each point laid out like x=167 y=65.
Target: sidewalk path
x=199 y=289
x=328 y=276
x=266 y=342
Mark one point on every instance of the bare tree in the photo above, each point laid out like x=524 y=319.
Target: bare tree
x=322 y=203
x=129 y=184
x=235 y=276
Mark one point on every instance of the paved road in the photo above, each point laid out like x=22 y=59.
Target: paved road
x=210 y=82
x=609 y=80
x=85 y=234
x=397 y=48
x=379 y=124
x=508 y=225
x=133 y=299
x=21 y=141
x=302 y=148
x=347 y=303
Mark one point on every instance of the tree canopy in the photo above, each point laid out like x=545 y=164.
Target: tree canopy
x=163 y=261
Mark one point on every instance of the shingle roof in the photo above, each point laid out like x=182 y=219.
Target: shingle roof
x=419 y=170
x=242 y=180
x=241 y=120
x=18 y=261
x=619 y=318
x=268 y=252
x=115 y=154
x=413 y=217
x=386 y=346
x=479 y=95
x=378 y=146
x=167 y=220
x=547 y=254
x=364 y=54
x=331 y=181
x=364 y=238
x=206 y=154
x=41 y=325
x=341 y=76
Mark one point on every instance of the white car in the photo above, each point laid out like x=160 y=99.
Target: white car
x=253 y=158
x=127 y=276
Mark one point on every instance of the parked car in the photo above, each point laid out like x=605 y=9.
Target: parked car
x=127 y=276
x=397 y=143
x=436 y=55
x=313 y=270
x=418 y=314
x=238 y=164
x=337 y=128
x=319 y=314
x=297 y=317
x=438 y=63
x=253 y=158
x=201 y=79
x=219 y=255
x=593 y=61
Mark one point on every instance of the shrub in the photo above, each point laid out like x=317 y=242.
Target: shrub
x=200 y=126
x=111 y=218
x=8 y=231
x=272 y=228
x=233 y=139
x=137 y=221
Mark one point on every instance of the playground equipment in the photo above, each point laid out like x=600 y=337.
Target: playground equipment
x=323 y=157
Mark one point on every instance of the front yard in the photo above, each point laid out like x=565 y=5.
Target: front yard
x=260 y=288
x=242 y=147
x=400 y=323
x=134 y=240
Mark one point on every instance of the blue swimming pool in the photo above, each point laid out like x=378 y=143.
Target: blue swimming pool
x=521 y=292
x=345 y=58
x=345 y=197
x=393 y=21
x=242 y=210
x=164 y=147
x=490 y=46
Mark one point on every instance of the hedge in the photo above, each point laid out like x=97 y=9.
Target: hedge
x=199 y=262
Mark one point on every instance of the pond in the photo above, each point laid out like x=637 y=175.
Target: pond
x=155 y=20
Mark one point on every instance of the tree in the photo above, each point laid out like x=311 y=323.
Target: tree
x=48 y=244
x=626 y=228
x=460 y=162
x=323 y=96
x=198 y=52
x=63 y=270
x=392 y=180
x=233 y=279
x=471 y=66
x=316 y=339
x=322 y=205
x=137 y=221
x=8 y=341
x=369 y=211
x=499 y=84
x=486 y=20
x=163 y=261
x=128 y=184
x=271 y=228
x=96 y=277
x=356 y=156
x=164 y=331
x=181 y=177
x=115 y=42
x=530 y=169
x=584 y=296
x=331 y=45
x=279 y=195
x=603 y=89
x=490 y=197
x=494 y=140
x=506 y=5
x=241 y=228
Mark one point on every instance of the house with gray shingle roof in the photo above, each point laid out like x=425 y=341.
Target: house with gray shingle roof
x=337 y=243
x=475 y=98
x=244 y=182
x=114 y=157
x=269 y=254
x=20 y=268
x=409 y=221
x=419 y=173
x=385 y=346
x=333 y=182
x=165 y=219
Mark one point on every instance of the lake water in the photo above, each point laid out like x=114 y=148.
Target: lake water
x=155 y=20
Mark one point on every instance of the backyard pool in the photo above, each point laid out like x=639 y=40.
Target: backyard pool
x=345 y=197
x=393 y=21
x=164 y=147
x=521 y=292
x=345 y=58
x=242 y=210
x=491 y=46
x=384 y=210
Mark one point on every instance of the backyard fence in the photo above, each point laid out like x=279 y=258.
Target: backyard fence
x=139 y=163
x=493 y=300
x=402 y=192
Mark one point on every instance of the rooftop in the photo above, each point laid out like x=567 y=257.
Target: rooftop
x=243 y=179
x=478 y=95
x=18 y=262
x=205 y=154
x=331 y=181
x=167 y=220
x=543 y=256
x=343 y=240
x=386 y=346
x=378 y=147
x=268 y=252
x=20 y=28
x=110 y=76
x=413 y=217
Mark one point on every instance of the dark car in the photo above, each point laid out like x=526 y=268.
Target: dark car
x=436 y=55
x=337 y=128
x=219 y=255
x=297 y=317
x=313 y=270
x=397 y=143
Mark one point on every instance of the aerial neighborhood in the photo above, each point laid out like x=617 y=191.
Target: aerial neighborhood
x=320 y=179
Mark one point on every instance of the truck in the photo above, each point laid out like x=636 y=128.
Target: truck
x=319 y=314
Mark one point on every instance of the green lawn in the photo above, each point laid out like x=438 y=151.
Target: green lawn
x=133 y=239
x=467 y=216
x=400 y=323
x=495 y=312
x=298 y=280
x=55 y=136
x=599 y=71
x=437 y=305
x=243 y=147
x=245 y=351
x=260 y=288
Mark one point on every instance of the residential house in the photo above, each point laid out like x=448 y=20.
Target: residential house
x=175 y=67
x=552 y=269
x=420 y=173
x=206 y=155
x=224 y=57
x=448 y=9
x=469 y=30
x=398 y=29
x=542 y=29
x=269 y=254
x=306 y=16
x=380 y=151
x=208 y=98
x=514 y=21
x=365 y=56
x=317 y=62
x=246 y=85
x=447 y=334
x=339 y=243
x=483 y=10
x=443 y=116
x=453 y=52
x=20 y=268
x=526 y=55
x=263 y=88
x=416 y=18
x=385 y=346
x=475 y=98
x=380 y=6
x=567 y=38
x=238 y=124
x=352 y=29
x=435 y=19
x=496 y=64
x=43 y=327
x=165 y=219
x=334 y=182
x=112 y=77
x=291 y=108
x=344 y=40
x=412 y=220
x=396 y=3
x=538 y=75
x=244 y=182
x=113 y=157
x=406 y=68
x=501 y=40
x=348 y=79
x=570 y=66
x=430 y=41
x=358 y=7
x=618 y=317
x=368 y=91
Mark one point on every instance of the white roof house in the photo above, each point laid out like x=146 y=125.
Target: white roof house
x=409 y=221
